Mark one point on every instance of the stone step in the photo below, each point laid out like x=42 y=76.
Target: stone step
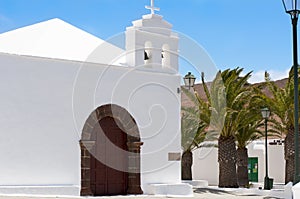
x=60 y=190
x=196 y=183
x=261 y=184
x=171 y=190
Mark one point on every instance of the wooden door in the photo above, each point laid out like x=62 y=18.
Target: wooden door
x=110 y=142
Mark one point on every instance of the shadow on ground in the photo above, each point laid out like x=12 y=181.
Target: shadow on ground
x=222 y=192
x=208 y=190
x=268 y=197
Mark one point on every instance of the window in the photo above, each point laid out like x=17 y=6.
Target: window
x=165 y=55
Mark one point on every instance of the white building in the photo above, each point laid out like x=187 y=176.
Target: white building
x=206 y=166
x=80 y=116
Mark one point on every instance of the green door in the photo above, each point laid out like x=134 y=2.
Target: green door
x=253 y=169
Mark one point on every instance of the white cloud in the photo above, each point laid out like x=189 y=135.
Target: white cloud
x=259 y=76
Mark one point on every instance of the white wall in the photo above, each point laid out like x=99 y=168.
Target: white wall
x=45 y=104
x=277 y=163
x=38 y=142
x=258 y=150
x=206 y=166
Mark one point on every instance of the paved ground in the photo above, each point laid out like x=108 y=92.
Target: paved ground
x=202 y=193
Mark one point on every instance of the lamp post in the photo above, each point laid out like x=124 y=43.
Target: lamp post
x=265 y=112
x=189 y=80
x=292 y=7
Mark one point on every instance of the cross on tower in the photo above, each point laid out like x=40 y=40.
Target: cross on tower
x=152 y=8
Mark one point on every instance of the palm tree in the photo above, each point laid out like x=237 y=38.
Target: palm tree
x=193 y=132
x=248 y=132
x=192 y=135
x=250 y=124
x=282 y=103
x=227 y=97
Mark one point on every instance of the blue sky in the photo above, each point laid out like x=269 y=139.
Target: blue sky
x=253 y=34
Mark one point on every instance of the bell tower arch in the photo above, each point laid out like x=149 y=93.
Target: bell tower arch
x=151 y=43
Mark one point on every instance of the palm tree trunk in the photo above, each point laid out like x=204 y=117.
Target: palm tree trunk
x=186 y=165
x=289 y=155
x=242 y=167
x=227 y=162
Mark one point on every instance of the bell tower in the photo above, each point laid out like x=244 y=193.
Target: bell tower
x=150 y=43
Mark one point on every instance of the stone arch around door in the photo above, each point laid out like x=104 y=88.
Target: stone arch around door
x=128 y=125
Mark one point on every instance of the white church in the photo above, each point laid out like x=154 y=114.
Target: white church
x=82 y=116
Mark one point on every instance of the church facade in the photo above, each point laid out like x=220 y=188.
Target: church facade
x=80 y=116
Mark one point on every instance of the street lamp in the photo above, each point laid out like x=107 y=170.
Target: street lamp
x=292 y=7
x=189 y=80
x=265 y=112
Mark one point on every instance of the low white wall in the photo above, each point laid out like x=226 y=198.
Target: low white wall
x=206 y=166
x=276 y=162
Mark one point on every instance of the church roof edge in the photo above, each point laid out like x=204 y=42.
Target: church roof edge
x=152 y=21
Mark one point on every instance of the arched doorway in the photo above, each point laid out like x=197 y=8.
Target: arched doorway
x=108 y=164
x=110 y=153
